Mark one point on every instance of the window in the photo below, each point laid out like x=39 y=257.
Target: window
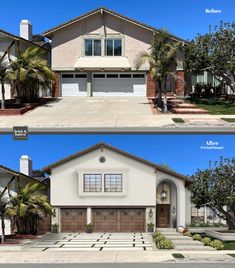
x=113 y=47
x=112 y=75
x=99 y=75
x=67 y=75
x=92 y=182
x=138 y=75
x=92 y=47
x=80 y=75
x=125 y=75
x=113 y=182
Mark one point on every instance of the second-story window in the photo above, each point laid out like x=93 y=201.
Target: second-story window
x=92 y=47
x=92 y=182
x=113 y=47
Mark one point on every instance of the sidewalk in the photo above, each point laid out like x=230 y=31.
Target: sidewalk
x=116 y=257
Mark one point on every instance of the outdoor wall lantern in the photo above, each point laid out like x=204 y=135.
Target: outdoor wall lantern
x=150 y=213
x=173 y=209
x=163 y=193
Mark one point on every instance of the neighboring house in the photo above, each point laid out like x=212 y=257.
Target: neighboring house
x=116 y=191
x=207 y=78
x=95 y=54
x=10 y=42
x=23 y=177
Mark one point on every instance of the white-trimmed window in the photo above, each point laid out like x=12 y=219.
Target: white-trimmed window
x=113 y=47
x=92 y=47
x=92 y=182
x=113 y=182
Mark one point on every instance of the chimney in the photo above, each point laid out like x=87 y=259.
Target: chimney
x=26 y=30
x=26 y=165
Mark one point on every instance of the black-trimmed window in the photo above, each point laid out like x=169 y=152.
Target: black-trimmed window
x=138 y=75
x=92 y=47
x=113 y=47
x=67 y=76
x=125 y=75
x=112 y=76
x=80 y=76
x=113 y=182
x=98 y=75
x=92 y=182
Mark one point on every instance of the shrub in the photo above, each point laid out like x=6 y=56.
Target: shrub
x=217 y=244
x=206 y=241
x=193 y=224
x=165 y=244
x=156 y=234
x=159 y=238
x=187 y=234
x=203 y=224
x=216 y=224
x=197 y=237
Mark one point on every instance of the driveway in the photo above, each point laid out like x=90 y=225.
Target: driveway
x=93 y=242
x=114 y=114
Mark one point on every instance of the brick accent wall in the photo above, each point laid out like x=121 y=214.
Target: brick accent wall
x=56 y=85
x=150 y=86
x=179 y=83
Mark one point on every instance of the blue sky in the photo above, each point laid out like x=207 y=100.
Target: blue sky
x=180 y=152
x=184 y=18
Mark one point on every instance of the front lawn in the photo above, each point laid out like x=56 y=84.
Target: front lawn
x=215 y=106
x=229 y=245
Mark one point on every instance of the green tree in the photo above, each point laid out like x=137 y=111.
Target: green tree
x=214 y=52
x=214 y=188
x=28 y=73
x=29 y=206
x=161 y=59
x=3 y=79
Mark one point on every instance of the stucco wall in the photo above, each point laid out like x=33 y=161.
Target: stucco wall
x=67 y=43
x=140 y=181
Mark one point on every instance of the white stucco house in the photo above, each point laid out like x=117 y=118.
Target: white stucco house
x=116 y=191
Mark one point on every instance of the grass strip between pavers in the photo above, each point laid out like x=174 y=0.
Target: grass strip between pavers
x=229 y=120
x=178 y=120
x=178 y=255
x=232 y=255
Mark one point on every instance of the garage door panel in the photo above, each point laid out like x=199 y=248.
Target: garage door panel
x=128 y=86
x=119 y=220
x=73 y=219
x=73 y=86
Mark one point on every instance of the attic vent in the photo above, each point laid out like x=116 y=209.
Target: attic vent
x=102 y=159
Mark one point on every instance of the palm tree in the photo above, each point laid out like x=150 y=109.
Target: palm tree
x=28 y=73
x=3 y=205
x=161 y=59
x=3 y=79
x=28 y=206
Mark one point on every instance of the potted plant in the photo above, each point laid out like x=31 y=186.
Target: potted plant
x=55 y=228
x=150 y=228
x=88 y=228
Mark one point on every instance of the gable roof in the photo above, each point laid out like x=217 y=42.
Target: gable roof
x=111 y=12
x=119 y=151
x=15 y=173
x=17 y=38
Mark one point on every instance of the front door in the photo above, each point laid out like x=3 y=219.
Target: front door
x=163 y=216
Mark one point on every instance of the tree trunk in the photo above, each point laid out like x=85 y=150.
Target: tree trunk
x=2 y=95
x=3 y=229
x=159 y=100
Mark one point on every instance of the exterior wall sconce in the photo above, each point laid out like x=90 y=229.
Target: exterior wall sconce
x=163 y=195
x=150 y=213
x=173 y=209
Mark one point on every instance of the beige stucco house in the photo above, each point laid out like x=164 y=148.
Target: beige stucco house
x=95 y=54
x=116 y=191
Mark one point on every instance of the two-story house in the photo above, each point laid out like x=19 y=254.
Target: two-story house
x=95 y=55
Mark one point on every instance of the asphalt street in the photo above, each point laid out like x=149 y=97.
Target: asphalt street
x=118 y=265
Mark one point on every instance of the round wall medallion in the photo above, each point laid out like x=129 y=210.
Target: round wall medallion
x=102 y=159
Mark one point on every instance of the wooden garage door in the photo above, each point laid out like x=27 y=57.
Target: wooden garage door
x=73 y=219
x=119 y=220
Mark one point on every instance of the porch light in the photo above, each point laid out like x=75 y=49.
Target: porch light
x=163 y=195
x=150 y=213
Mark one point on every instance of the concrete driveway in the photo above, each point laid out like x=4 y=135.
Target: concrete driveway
x=93 y=242
x=114 y=114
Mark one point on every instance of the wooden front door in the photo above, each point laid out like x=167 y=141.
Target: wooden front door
x=163 y=216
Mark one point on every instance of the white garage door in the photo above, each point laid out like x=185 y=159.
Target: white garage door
x=119 y=84
x=73 y=85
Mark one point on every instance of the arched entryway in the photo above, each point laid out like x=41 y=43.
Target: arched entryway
x=170 y=202
x=166 y=204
